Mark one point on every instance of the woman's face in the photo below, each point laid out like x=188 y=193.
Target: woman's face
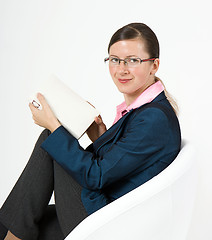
x=132 y=81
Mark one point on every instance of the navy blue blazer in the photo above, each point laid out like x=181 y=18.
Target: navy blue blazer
x=135 y=149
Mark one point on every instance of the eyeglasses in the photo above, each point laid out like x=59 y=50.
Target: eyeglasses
x=130 y=62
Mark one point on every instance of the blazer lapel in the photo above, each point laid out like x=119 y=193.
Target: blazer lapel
x=112 y=131
x=160 y=97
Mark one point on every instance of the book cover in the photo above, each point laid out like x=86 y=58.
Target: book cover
x=74 y=112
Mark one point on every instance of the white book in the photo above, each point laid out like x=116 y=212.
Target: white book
x=73 y=112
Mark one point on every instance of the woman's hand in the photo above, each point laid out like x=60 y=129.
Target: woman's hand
x=44 y=117
x=96 y=129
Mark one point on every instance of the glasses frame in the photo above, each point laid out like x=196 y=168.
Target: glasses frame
x=125 y=62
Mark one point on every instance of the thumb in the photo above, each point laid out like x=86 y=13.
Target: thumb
x=98 y=120
x=102 y=127
x=100 y=123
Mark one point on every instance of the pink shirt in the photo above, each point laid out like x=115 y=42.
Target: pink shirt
x=147 y=96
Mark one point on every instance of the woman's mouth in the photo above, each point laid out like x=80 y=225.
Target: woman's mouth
x=124 y=80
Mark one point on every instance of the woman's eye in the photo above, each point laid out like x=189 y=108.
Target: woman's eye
x=114 y=60
x=133 y=60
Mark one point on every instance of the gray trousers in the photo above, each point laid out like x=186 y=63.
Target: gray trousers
x=26 y=212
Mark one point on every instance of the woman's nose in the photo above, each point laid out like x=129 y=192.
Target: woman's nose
x=123 y=68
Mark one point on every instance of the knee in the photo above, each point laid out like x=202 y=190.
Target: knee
x=45 y=133
x=43 y=136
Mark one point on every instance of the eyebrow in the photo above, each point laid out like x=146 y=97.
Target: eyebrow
x=126 y=56
x=113 y=56
x=132 y=56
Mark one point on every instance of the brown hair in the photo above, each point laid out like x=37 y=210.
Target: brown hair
x=142 y=31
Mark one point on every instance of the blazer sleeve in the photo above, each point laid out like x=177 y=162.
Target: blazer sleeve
x=146 y=134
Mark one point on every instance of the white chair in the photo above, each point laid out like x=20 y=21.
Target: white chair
x=160 y=209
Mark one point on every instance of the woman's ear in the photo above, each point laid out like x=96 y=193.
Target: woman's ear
x=155 y=66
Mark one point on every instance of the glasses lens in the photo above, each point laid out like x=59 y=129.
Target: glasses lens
x=114 y=61
x=132 y=62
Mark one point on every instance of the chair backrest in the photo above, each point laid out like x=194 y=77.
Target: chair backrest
x=160 y=209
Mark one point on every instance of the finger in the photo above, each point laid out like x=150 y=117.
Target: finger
x=100 y=117
x=42 y=99
x=32 y=108
x=98 y=120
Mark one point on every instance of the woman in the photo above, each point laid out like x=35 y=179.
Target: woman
x=144 y=140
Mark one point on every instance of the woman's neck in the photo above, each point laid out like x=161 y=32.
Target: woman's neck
x=130 y=98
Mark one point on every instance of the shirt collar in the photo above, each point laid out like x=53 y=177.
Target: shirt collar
x=147 y=96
